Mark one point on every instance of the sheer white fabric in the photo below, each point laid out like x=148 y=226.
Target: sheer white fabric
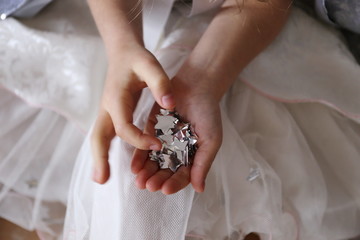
x=310 y=62
x=48 y=97
x=37 y=153
x=306 y=154
x=46 y=69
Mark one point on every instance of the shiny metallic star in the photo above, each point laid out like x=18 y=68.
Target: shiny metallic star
x=167 y=139
x=170 y=161
x=165 y=123
x=180 y=145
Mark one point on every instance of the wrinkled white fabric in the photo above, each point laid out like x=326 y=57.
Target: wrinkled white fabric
x=37 y=153
x=52 y=70
x=310 y=63
x=306 y=153
x=49 y=90
x=303 y=191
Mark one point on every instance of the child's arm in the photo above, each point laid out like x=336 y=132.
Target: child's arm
x=131 y=68
x=237 y=34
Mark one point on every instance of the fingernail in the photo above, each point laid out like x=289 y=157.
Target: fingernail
x=155 y=147
x=168 y=101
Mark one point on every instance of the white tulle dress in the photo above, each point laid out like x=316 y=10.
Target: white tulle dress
x=288 y=168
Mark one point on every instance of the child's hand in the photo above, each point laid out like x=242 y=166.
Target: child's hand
x=132 y=69
x=201 y=109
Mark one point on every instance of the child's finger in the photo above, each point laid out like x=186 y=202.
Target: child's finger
x=179 y=180
x=158 y=82
x=121 y=113
x=204 y=157
x=101 y=137
x=138 y=160
x=150 y=168
x=140 y=156
x=155 y=182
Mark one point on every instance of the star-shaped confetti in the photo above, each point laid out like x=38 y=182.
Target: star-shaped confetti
x=165 y=123
x=178 y=141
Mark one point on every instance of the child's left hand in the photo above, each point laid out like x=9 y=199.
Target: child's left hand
x=206 y=75
x=199 y=107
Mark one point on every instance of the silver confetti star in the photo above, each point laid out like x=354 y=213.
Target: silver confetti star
x=165 y=123
x=178 y=141
x=167 y=139
x=180 y=145
x=170 y=161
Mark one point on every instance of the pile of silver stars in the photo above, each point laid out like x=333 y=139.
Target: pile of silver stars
x=178 y=141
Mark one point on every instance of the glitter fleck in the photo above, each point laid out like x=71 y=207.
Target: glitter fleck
x=254 y=174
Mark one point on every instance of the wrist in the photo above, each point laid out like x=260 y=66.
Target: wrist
x=116 y=26
x=198 y=81
x=124 y=52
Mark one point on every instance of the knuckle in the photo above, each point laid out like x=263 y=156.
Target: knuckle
x=162 y=83
x=158 y=78
x=149 y=60
x=138 y=137
x=95 y=137
x=94 y=140
x=140 y=143
x=177 y=182
x=101 y=158
x=198 y=164
x=120 y=130
x=159 y=88
x=183 y=176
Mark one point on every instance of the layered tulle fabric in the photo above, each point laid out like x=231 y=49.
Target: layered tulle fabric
x=53 y=70
x=286 y=170
x=307 y=186
x=301 y=191
x=49 y=90
x=310 y=63
x=37 y=153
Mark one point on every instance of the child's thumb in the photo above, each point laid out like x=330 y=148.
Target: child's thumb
x=159 y=84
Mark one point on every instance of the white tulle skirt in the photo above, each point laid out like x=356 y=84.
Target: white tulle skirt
x=287 y=169
x=306 y=187
x=37 y=153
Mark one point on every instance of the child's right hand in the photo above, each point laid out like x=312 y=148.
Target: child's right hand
x=130 y=69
